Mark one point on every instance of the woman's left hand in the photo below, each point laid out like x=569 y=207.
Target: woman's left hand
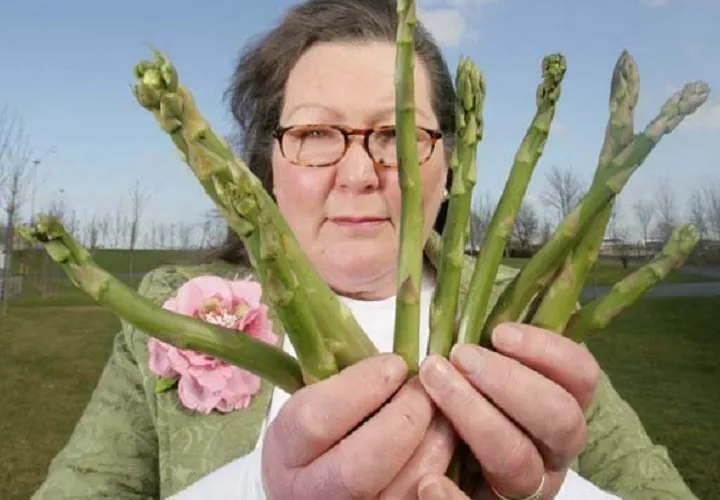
x=520 y=410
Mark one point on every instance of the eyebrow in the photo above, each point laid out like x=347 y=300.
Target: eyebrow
x=337 y=115
x=317 y=106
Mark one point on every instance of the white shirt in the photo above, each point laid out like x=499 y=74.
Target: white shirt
x=241 y=478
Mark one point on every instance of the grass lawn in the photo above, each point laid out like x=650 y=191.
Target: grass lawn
x=662 y=355
x=50 y=360
x=609 y=272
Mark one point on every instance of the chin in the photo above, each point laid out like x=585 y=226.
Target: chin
x=358 y=266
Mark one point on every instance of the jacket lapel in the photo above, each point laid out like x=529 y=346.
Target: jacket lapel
x=192 y=444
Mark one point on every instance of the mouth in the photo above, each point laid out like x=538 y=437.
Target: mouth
x=358 y=222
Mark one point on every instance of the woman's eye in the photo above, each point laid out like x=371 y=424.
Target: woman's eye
x=315 y=134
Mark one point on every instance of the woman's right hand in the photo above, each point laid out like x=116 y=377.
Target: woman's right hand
x=356 y=436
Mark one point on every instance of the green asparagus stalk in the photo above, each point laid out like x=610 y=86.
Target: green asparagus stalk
x=409 y=269
x=325 y=334
x=531 y=148
x=469 y=130
x=265 y=360
x=538 y=272
x=558 y=302
x=597 y=314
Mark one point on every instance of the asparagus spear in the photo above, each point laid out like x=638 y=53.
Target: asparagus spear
x=469 y=130
x=324 y=332
x=597 y=314
x=548 y=93
x=265 y=360
x=558 y=302
x=539 y=271
x=409 y=269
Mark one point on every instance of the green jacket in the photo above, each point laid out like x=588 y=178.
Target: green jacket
x=132 y=443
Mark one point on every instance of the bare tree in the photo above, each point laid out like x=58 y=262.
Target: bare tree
x=666 y=211
x=138 y=200
x=213 y=229
x=119 y=226
x=643 y=214
x=92 y=233
x=185 y=234
x=711 y=203
x=527 y=226
x=104 y=229
x=564 y=190
x=162 y=235
x=697 y=212
x=482 y=210
x=545 y=232
x=615 y=228
x=15 y=161
x=172 y=235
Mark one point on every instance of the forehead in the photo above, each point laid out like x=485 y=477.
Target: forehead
x=355 y=80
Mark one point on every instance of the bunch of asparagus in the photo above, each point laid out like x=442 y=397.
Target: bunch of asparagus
x=322 y=330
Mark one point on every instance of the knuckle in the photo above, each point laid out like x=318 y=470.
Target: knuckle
x=568 y=426
x=306 y=420
x=299 y=421
x=505 y=377
x=518 y=458
x=579 y=433
x=546 y=345
x=349 y=484
x=440 y=441
x=590 y=375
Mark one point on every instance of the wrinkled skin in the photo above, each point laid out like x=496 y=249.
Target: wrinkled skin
x=367 y=432
x=336 y=84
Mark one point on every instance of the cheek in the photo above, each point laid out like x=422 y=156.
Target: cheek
x=301 y=195
x=432 y=176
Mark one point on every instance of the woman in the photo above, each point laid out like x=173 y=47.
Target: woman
x=538 y=415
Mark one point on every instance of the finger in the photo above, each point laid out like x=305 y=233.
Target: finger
x=431 y=457
x=508 y=458
x=366 y=461
x=321 y=414
x=539 y=406
x=560 y=359
x=439 y=487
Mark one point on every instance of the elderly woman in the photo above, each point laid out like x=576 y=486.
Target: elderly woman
x=537 y=414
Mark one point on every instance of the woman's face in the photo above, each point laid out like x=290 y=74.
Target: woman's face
x=346 y=217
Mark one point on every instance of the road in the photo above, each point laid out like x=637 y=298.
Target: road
x=707 y=289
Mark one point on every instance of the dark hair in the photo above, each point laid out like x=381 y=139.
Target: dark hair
x=256 y=93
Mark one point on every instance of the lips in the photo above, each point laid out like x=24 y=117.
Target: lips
x=358 y=222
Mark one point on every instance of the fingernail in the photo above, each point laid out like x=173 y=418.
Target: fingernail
x=435 y=373
x=431 y=489
x=467 y=357
x=507 y=337
x=393 y=368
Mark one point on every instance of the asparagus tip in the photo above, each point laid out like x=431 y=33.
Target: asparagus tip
x=625 y=82
x=554 y=67
x=686 y=237
x=154 y=79
x=685 y=102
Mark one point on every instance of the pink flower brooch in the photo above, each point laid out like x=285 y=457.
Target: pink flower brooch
x=206 y=383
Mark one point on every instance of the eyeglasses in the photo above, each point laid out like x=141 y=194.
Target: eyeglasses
x=326 y=145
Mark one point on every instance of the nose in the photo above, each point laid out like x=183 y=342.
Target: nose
x=357 y=171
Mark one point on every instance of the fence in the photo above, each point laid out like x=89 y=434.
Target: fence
x=13 y=286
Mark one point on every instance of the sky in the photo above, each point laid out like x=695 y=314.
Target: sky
x=67 y=71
